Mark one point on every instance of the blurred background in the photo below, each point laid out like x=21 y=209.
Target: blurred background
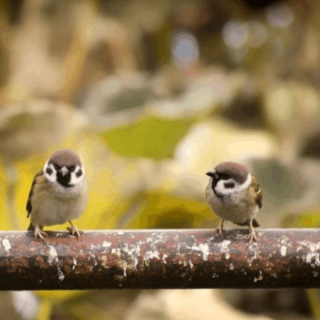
x=153 y=94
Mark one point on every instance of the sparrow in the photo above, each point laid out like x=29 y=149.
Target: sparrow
x=59 y=193
x=234 y=195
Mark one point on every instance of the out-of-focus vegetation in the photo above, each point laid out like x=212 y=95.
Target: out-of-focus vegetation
x=152 y=94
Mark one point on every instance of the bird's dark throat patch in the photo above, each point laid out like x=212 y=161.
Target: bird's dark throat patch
x=64 y=180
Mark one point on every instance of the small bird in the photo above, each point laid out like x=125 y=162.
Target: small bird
x=58 y=194
x=234 y=195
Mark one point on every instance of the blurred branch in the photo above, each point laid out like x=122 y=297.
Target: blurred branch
x=156 y=259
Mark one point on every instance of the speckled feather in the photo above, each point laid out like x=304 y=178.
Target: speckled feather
x=29 y=201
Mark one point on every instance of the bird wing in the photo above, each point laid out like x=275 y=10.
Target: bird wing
x=257 y=193
x=29 y=201
x=208 y=191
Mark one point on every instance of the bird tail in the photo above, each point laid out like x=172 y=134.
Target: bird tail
x=255 y=223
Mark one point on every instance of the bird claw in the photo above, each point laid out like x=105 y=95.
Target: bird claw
x=252 y=237
x=74 y=231
x=220 y=231
x=39 y=233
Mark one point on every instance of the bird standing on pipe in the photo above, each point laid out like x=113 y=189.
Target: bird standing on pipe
x=234 y=195
x=58 y=193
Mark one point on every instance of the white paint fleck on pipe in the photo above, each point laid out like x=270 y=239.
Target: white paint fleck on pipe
x=52 y=255
x=313 y=256
x=6 y=244
x=164 y=257
x=125 y=269
x=283 y=251
x=151 y=254
x=54 y=260
x=74 y=263
x=204 y=248
x=106 y=244
x=60 y=274
x=259 y=278
x=224 y=248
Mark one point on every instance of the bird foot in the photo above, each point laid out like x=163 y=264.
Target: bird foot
x=75 y=231
x=252 y=237
x=38 y=232
x=220 y=231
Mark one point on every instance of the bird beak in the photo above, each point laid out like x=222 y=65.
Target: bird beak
x=210 y=174
x=64 y=171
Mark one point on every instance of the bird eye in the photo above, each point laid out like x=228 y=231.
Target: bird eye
x=79 y=173
x=49 y=171
x=72 y=168
x=56 y=167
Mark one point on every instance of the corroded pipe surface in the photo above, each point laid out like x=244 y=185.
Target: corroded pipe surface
x=155 y=259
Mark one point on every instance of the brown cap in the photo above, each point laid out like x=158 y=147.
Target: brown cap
x=65 y=157
x=233 y=170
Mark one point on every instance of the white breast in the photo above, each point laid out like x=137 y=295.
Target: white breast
x=233 y=205
x=57 y=205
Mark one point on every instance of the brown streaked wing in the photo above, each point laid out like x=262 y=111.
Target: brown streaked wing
x=29 y=201
x=257 y=191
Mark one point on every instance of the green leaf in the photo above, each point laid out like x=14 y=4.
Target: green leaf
x=151 y=137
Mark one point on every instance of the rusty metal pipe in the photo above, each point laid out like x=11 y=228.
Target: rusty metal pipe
x=157 y=259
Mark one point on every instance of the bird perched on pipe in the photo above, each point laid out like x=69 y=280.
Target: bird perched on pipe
x=58 y=194
x=234 y=195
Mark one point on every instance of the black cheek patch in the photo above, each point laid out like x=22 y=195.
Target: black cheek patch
x=229 y=185
x=79 y=173
x=49 y=171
